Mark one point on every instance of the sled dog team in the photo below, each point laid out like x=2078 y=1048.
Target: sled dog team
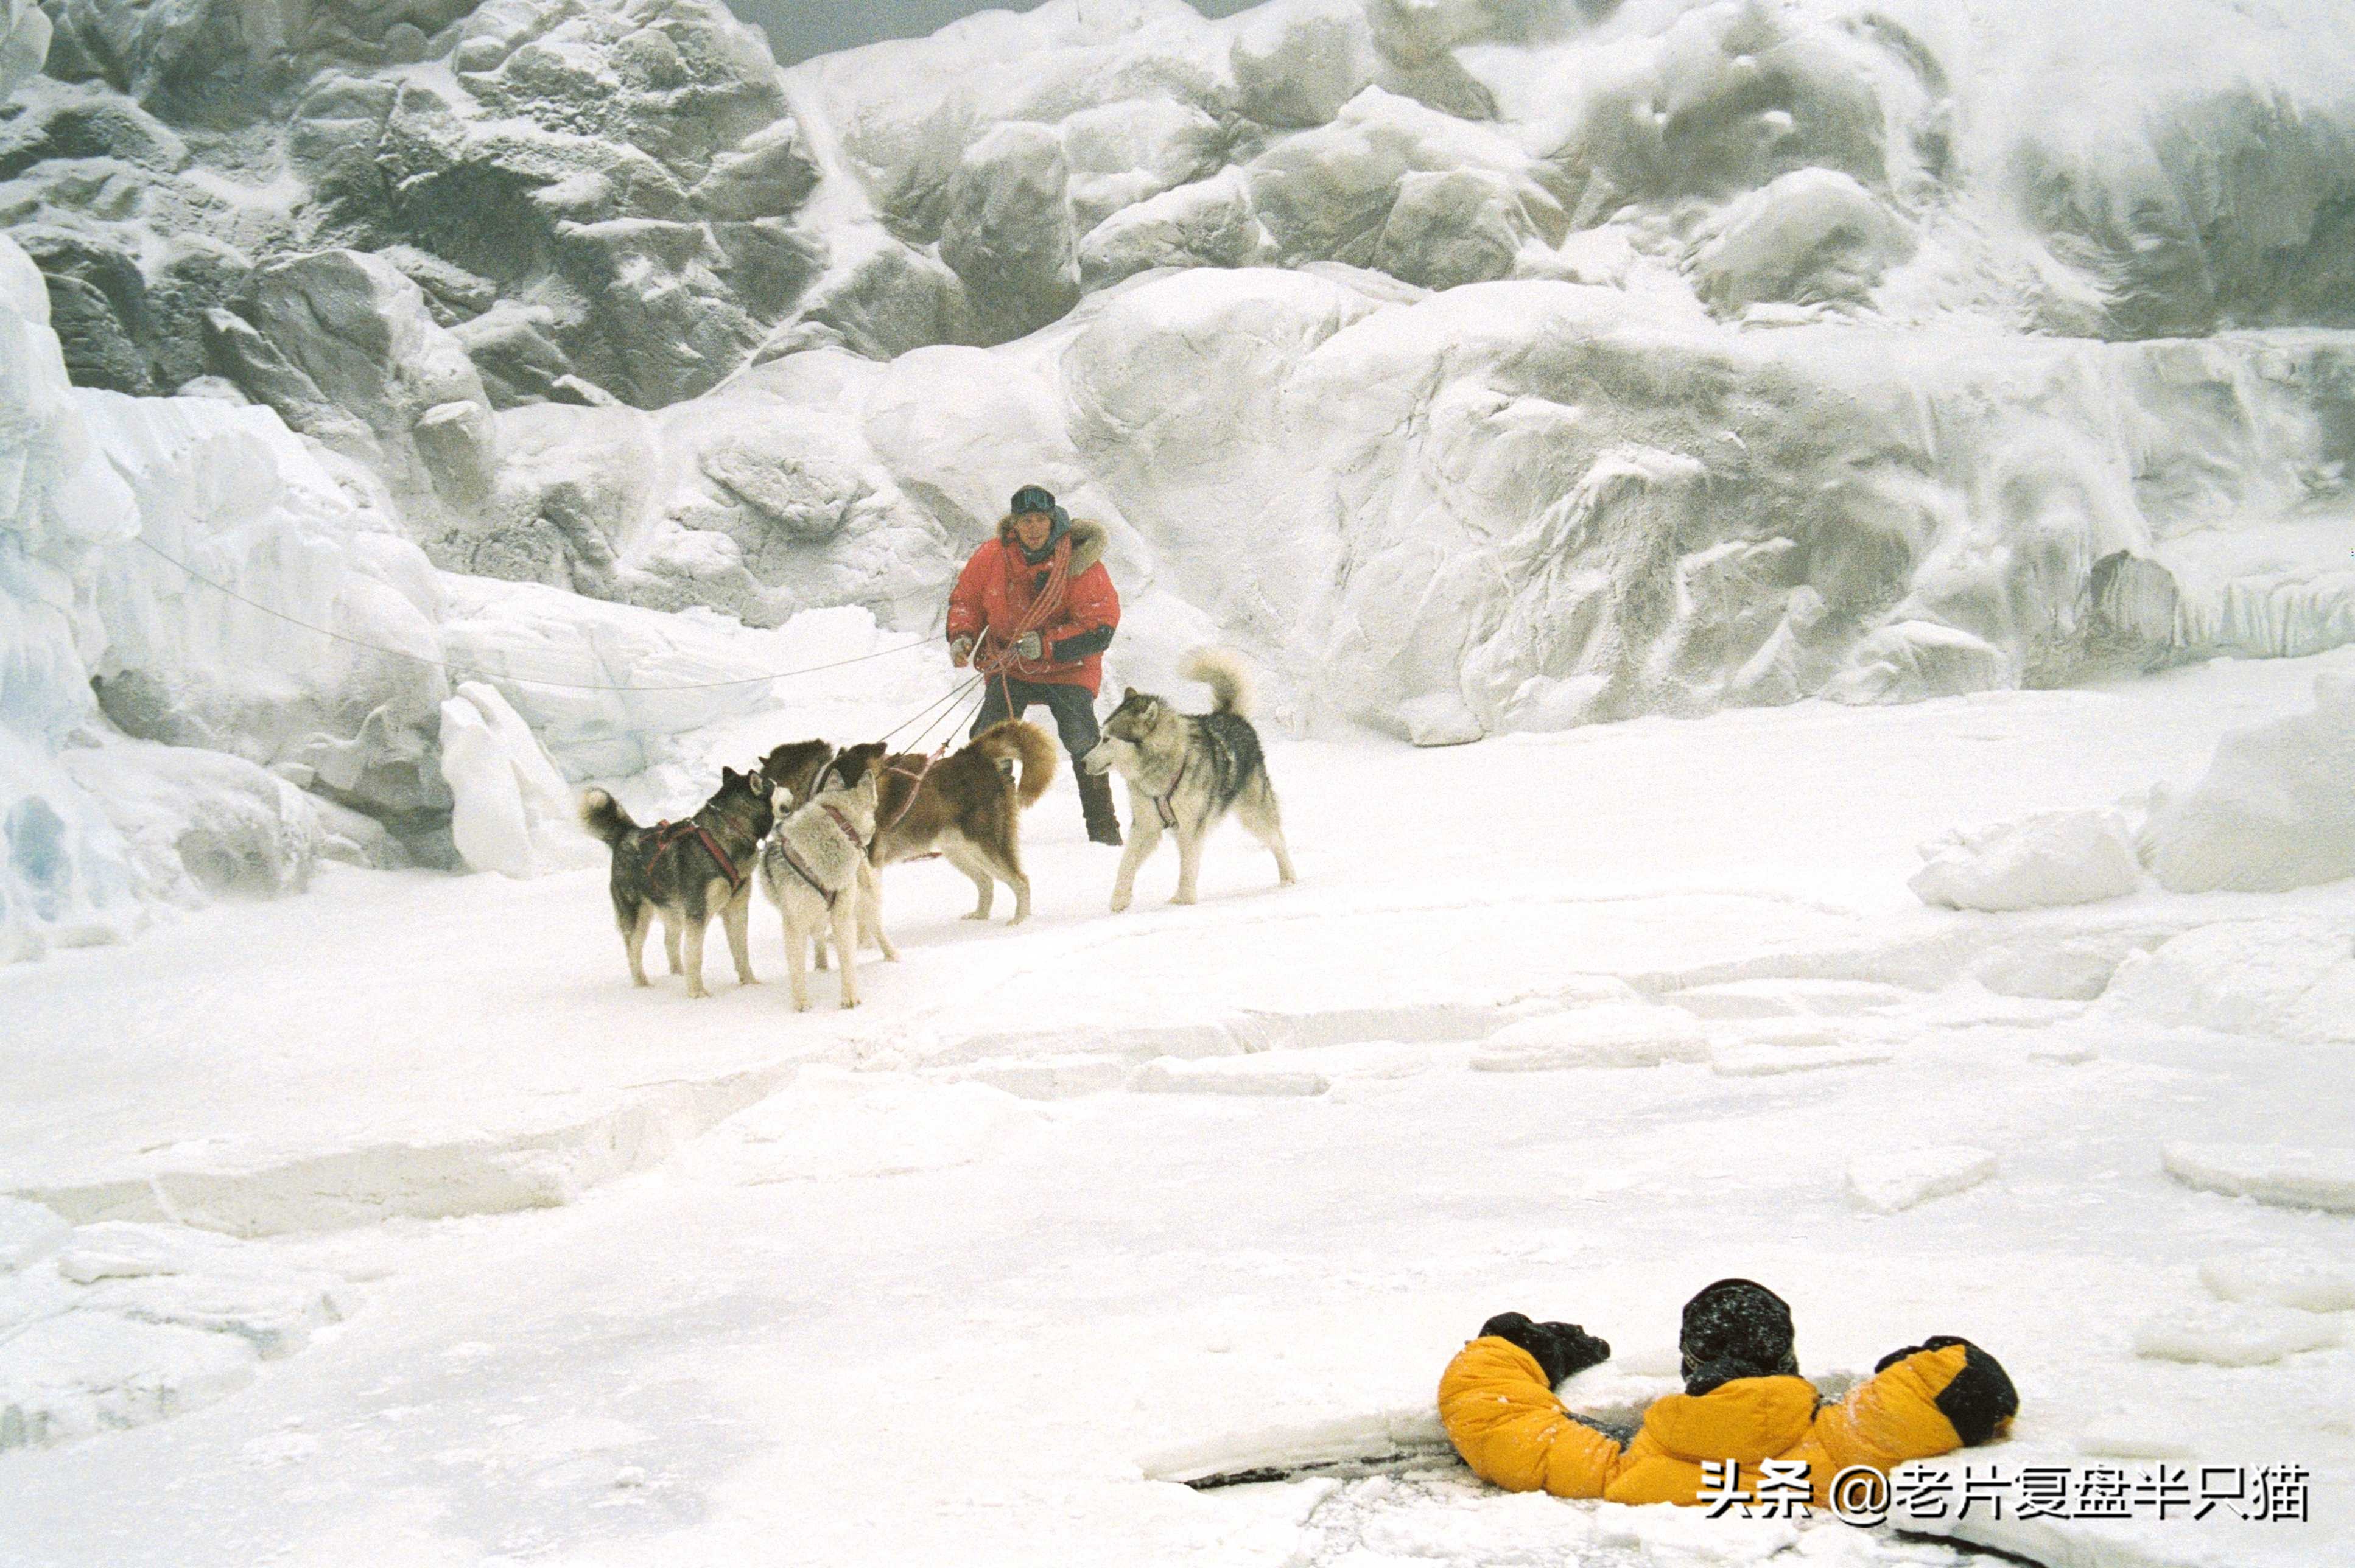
x=814 y=826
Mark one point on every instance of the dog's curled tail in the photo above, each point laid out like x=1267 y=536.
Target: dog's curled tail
x=1222 y=670
x=602 y=815
x=1025 y=742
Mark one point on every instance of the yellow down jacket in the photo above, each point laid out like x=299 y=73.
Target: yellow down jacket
x=1513 y=1432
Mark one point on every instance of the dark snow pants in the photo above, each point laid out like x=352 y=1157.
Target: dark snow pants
x=1073 y=707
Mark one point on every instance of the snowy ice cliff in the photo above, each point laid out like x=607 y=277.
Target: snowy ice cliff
x=1478 y=366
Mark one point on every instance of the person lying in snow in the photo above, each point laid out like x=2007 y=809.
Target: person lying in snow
x=1744 y=1400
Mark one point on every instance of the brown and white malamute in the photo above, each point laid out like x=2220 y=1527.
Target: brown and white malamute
x=966 y=806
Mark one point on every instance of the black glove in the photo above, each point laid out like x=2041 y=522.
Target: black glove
x=1559 y=1348
x=1978 y=1401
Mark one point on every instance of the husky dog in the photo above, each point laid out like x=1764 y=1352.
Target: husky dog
x=794 y=769
x=814 y=865
x=966 y=806
x=685 y=872
x=1184 y=771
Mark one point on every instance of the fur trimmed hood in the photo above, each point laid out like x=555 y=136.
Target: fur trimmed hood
x=1088 y=541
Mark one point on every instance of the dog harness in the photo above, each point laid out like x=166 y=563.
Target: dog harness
x=923 y=770
x=785 y=852
x=1163 y=804
x=668 y=834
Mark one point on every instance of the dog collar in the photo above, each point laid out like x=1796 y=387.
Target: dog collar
x=844 y=823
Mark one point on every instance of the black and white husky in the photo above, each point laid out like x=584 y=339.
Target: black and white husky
x=814 y=867
x=686 y=873
x=1185 y=771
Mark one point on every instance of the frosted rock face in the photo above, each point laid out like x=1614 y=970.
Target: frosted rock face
x=1516 y=505
x=2275 y=811
x=628 y=169
x=64 y=872
x=744 y=502
x=2037 y=863
x=229 y=493
x=1210 y=223
x=1812 y=235
x=346 y=339
x=1007 y=230
x=512 y=812
x=24 y=42
x=1550 y=483
x=197 y=822
x=559 y=659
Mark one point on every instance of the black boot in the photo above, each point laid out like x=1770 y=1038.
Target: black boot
x=1095 y=802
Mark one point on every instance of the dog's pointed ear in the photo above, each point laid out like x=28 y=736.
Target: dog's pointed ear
x=1128 y=695
x=729 y=776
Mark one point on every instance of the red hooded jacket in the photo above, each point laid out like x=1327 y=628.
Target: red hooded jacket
x=1068 y=599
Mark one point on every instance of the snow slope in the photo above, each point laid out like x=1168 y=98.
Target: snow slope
x=628 y=1278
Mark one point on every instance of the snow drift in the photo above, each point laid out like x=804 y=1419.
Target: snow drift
x=2276 y=811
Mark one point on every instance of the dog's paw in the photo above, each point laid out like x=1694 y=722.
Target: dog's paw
x=848 y=1002
x=978 y=914
x=1181 y=898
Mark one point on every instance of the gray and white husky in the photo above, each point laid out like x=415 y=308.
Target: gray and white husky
x=1185 y=771
x=812 y=866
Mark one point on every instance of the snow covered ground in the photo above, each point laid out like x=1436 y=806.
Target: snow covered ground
x=406 y=1232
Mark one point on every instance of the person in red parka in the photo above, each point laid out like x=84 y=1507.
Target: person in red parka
x=1034 y=611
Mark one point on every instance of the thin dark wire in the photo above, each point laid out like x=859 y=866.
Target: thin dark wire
x=518 y=680
x=956 y=715
x=931 y=710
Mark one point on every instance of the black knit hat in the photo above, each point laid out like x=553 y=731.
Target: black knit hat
x=1736 y=1328
x=1033 y=498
